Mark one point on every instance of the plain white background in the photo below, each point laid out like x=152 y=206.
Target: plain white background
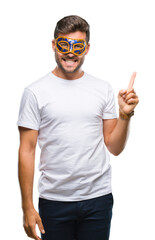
x=122 y=41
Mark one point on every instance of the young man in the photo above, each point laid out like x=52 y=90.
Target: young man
x=72 y=115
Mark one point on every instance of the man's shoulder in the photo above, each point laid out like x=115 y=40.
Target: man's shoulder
x=97 y=80
x=38 y=84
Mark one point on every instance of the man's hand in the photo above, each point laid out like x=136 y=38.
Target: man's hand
x=30 y=219
x=127 y=99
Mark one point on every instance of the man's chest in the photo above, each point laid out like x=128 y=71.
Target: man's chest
x=71 y=104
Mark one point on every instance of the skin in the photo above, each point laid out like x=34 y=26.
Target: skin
x=115 y=133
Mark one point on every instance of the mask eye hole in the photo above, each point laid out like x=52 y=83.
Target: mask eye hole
x=78 y=46
x=63 y=44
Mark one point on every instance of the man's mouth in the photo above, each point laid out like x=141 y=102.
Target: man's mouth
x=69 y=61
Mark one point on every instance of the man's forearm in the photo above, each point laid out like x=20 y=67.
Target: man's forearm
x=26 y=175
x=118 y=137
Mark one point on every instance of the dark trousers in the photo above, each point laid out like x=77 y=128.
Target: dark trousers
x=80 y=220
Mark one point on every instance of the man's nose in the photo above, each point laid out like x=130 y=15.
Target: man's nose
x=70 y=54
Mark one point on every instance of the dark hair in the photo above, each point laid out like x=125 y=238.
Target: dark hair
x=70 y=24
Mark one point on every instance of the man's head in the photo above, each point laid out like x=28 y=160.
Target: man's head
x=71 y=43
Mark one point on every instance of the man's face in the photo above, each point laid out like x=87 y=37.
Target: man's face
x=69 y=62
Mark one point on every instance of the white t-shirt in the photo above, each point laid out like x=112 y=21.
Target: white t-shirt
x=68 y=114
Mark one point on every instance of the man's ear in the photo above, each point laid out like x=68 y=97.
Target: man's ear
x=53 y=45
x=87 y=50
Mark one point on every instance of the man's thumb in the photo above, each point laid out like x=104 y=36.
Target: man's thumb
x=122 y=92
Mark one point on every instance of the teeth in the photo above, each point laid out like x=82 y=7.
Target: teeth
x=69 y=60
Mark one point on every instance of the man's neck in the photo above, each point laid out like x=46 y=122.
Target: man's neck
x=70 y=76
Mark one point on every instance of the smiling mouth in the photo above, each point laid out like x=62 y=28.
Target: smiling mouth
x=69 y=60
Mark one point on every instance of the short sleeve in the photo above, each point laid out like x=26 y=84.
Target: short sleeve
x=109 y=112
x=29 y=114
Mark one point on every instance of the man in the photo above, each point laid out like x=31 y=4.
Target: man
x=72 y=115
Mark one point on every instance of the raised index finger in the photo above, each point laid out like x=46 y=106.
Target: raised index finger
x=132 y=80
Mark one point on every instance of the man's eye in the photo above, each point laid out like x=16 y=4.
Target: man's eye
x=63 y=44
x=78 y=46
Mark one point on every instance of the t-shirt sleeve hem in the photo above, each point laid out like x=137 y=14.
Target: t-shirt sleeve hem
x=110 y=116
x=21 y=124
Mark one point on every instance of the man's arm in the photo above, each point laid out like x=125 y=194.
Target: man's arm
x=26 y=162
x=116 y=131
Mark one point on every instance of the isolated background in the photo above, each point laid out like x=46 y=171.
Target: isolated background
x=125 y=29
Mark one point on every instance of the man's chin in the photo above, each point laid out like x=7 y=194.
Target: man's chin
x=69 y=70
